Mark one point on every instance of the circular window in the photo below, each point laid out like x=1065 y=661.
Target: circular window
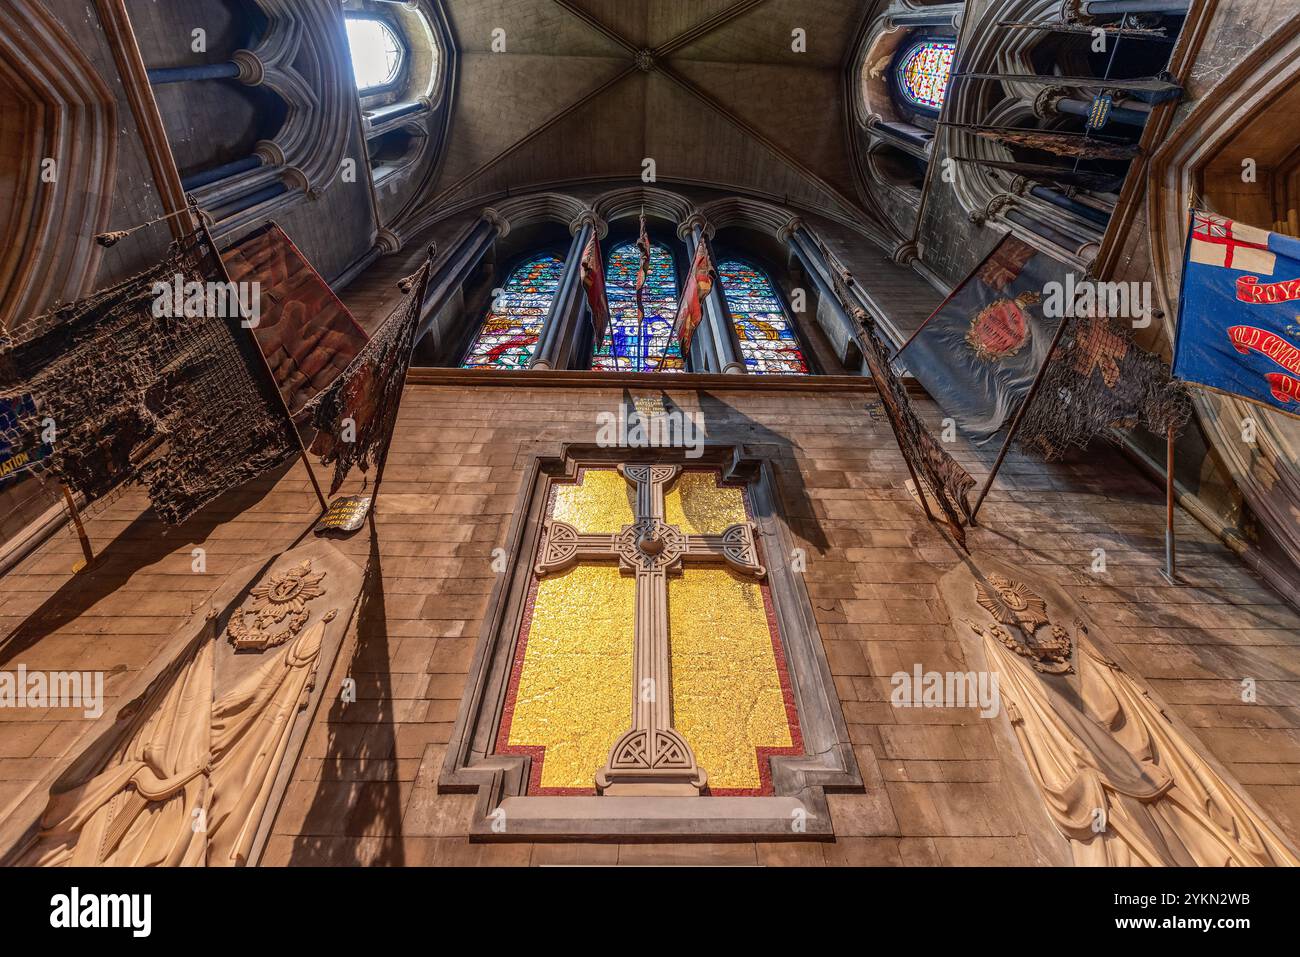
x=923 y=72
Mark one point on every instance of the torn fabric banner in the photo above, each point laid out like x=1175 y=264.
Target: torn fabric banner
x=1238 y=330
x=948 y=482
x=699 y=283
x=153 y=380
x=593 y=284
x=356 y=414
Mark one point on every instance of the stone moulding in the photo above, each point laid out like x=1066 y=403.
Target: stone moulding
x=504 y=811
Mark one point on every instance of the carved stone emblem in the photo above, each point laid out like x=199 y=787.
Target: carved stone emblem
x=1014 y=603
x=650 y=544
x=283 y=595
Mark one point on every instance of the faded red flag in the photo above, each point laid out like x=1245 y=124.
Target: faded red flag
x=593 y=281
x=699 y=283
x=643 y=270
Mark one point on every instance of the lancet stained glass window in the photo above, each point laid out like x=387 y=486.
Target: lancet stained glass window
x=376 y=52
x=767 y=340
x=629 y=351
x=514 y=321
x=924 y=71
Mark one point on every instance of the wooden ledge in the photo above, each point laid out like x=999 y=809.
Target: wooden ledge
x=715 y=382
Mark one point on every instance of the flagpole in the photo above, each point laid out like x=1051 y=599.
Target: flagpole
x=1020 y=414
x=1170 y=548
x=75 y=515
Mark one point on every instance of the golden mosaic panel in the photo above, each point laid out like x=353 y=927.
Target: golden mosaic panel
x=602 y=503
x=697 y=506
x=727 y=696
x=574 y=696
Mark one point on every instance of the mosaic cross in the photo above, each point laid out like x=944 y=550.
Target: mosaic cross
x=652 y=757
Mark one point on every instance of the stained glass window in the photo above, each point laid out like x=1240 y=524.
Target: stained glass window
x=767 y=339
x=923 y=73
x=630 y=350
x=509 y=334
x=376 y=52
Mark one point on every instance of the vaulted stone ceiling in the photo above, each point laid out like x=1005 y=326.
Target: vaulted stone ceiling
x=709 y=89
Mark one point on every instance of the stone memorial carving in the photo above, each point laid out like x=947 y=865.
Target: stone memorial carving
x=1120 y=780
x=191 y=770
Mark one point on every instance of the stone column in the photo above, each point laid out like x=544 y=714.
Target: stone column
x=244 y=66
x=1101 y=8
x=1118 y=114
x=716 y=340
x=555 y=343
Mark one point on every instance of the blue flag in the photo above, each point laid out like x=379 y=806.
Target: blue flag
x=1239 y=312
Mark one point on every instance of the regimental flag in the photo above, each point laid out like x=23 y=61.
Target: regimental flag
x=978 y=354
x=1238 y=328
x=144 y=385
x=949 y=484
x=690 y=309
x=306 y=333
x=19 y=452
x=355 y=416
x=593 y=282
x=642 y=270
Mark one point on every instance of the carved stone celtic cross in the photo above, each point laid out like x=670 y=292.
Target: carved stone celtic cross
x=652 y=757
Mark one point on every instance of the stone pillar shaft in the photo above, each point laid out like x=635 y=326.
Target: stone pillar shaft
x=721 y=344
x=566 y=307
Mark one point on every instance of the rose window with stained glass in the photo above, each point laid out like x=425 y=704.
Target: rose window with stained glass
x=923 y=73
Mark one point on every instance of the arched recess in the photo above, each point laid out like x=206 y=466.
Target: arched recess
x=1249 y=112
x=53 y=107
x=661 y=204
x=405 y=121
x=892 y=136
x=300 y=119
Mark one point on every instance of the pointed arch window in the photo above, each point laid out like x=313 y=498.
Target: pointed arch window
x=628 y=347
x=377 y=53
x=923 y=72
x=768 y=342
x=509 y=335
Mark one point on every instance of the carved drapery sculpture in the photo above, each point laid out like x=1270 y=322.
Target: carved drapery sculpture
x=192 y=769
x=1122 y=782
